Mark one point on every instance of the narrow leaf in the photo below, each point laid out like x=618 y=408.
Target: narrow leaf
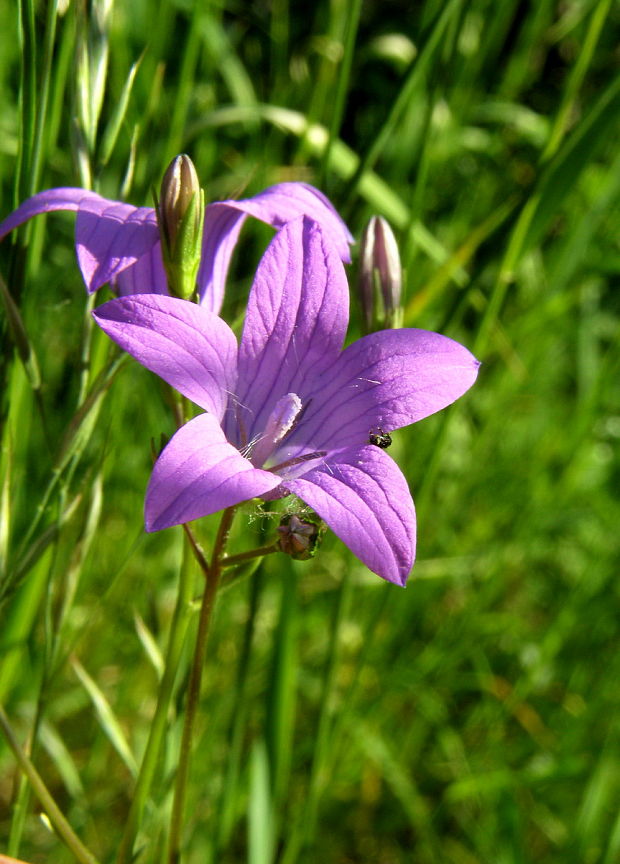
x=260 y=817
x=23 y=344
x=107 y=718
x=150 y=645
x=113 y=128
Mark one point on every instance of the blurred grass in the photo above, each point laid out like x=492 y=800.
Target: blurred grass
x=472 y=717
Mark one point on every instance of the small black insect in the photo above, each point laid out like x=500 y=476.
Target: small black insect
x=380 y=438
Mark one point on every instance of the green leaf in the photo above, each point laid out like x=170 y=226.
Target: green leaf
x=150 y=645
x=578 y=151
x=260 y=815
x=107 y=718
x=115 y=122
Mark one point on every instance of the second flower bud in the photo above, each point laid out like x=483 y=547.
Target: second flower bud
x=180 y=215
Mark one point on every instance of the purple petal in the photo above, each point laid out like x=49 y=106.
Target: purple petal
x=220 y=234
x=276 y=206
x=146 y=276
x=66 y=198
x=364 y=498
x=200 y=473
x=191 y=349
x=387 y=379
x=109 y=235
x=295 y=323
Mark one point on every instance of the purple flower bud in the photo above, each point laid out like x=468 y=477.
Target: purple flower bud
x=380 y=276
x=299 y=538
x=180 y=214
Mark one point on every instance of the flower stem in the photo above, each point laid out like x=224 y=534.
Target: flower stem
x=197 y=549
x=176 y=640
x=233 y=560
x=193 y=692
x=301 y=835
x=65 y=831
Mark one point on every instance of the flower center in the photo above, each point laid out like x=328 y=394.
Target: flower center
x=281 y=420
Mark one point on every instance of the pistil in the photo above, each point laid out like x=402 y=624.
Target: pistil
x=281 y=420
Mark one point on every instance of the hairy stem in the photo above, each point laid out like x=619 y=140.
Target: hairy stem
x=233 y=560
x=193 y=692
x=176 y=640
x=197 y=549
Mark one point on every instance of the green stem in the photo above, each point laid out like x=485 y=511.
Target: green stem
x=23 y=793
x=575 y=79
x=430 y=40
x=28 y=99
x=197 y=549
x=342 y=85
x=193 y=692
x=233 y=560
x=176 y=640
x=317 y=775
x=303 y=833
x=226 y=812
x=518 y=239
x=65 y=831
x=44 y=88
x=505 y=277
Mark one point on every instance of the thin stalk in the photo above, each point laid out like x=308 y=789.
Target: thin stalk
x=193 y=692
x=176 y=640
x=65 y=831
x=27 y=99
x=430 y=40
x=518 y=239
x=187 y=78
x=46 y=74
x=326 y=715
x=87 y=344
x=71 y=445
x=306 y=823
x=431 y=467
x=26 y=352
x=233 y=560
x=342 y=85
x=21 y=798
x=505 y=275
x=55 y=622
x=575 y=79
x=197 y=549
x=226 y=811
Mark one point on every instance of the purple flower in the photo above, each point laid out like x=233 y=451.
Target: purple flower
x=288 y=410
x=119 y=243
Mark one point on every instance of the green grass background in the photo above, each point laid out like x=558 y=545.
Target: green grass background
x=471 y=718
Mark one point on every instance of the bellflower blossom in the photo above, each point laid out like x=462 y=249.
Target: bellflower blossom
x=289 y=411
x=119 y=243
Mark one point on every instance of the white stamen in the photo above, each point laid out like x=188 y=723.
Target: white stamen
x=280 y=422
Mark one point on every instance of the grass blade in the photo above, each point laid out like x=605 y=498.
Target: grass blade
x=107 y=719
x=260 y=816
x=110 y=136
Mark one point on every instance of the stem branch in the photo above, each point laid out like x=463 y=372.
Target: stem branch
x=233 y=560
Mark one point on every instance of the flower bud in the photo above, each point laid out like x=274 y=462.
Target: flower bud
x=300 y=538
x=380 y=276
x=180 y=214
